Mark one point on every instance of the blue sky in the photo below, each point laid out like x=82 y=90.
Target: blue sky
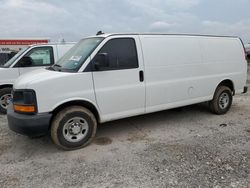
x=75 y=19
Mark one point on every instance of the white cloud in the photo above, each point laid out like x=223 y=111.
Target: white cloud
x=76 y=19
x=208 y=23
x=14 y=3
x=179 y=5
x=182 y=4
x=32 y=6
x=28 y=18
x=240 y=28
x=162 y=26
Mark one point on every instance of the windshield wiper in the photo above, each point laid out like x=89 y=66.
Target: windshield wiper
x=50 y=68
x=53 y=67
x=56 y=65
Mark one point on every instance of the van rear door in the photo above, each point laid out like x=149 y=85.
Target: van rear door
x=118 y=81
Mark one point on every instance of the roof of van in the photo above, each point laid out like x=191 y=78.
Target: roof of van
x=201 y=35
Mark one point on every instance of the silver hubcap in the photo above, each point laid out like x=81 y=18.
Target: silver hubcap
x=75 y=129
x=5 y=100
x=224 y=100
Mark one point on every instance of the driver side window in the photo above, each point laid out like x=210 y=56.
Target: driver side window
x=40 y=56
x=117 y=54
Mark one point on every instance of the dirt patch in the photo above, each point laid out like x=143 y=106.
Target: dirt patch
x=5 y=143
x=102 y=141
x=9 y=181
x=248 y=130
x=3 y=148
x=138 y=137
x=195 y=164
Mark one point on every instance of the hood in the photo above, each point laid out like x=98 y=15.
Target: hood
x=37 y=76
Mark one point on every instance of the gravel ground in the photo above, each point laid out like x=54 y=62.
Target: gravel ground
x=188 y=147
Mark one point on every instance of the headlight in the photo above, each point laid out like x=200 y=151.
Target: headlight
x=24 y=101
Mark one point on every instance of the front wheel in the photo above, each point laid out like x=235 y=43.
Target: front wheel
x=73 y=128
x=5 y=98
x=222 y=100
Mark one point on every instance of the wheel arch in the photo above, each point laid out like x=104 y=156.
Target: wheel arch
x=84 y=103
x=6 y=85
x=229 y=83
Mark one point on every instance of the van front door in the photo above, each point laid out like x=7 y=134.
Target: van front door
x=36 y=58
x=118 y=79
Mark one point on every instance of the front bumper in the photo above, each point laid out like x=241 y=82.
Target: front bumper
x=30 y=125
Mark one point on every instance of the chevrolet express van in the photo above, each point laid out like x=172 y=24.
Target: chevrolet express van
x=31 y=58
x=113 y=76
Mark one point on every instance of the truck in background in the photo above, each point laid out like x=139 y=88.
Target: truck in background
x=9 y=47
x=28 y=59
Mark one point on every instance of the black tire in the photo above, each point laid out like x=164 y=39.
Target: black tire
x=63 y=137
x=216 y=105
x=3 y=105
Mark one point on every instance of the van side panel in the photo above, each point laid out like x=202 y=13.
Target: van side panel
x=183 y=70
x=174 y=71
x=224 y=58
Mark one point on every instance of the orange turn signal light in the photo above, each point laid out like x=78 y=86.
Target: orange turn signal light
x=25 y=109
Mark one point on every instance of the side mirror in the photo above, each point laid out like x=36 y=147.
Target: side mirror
x=101 y=61
x=25 y=61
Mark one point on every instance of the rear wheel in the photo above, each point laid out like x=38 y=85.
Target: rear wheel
x=73 y=128
x=222 y=100
x=5 y=98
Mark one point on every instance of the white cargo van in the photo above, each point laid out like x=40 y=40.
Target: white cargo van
x=30 y=58
x=108 y=77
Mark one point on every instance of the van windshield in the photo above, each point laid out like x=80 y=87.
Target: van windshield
x=13 y=59
x=77 y=55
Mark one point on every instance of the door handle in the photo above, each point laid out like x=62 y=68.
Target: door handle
x=141 y=76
